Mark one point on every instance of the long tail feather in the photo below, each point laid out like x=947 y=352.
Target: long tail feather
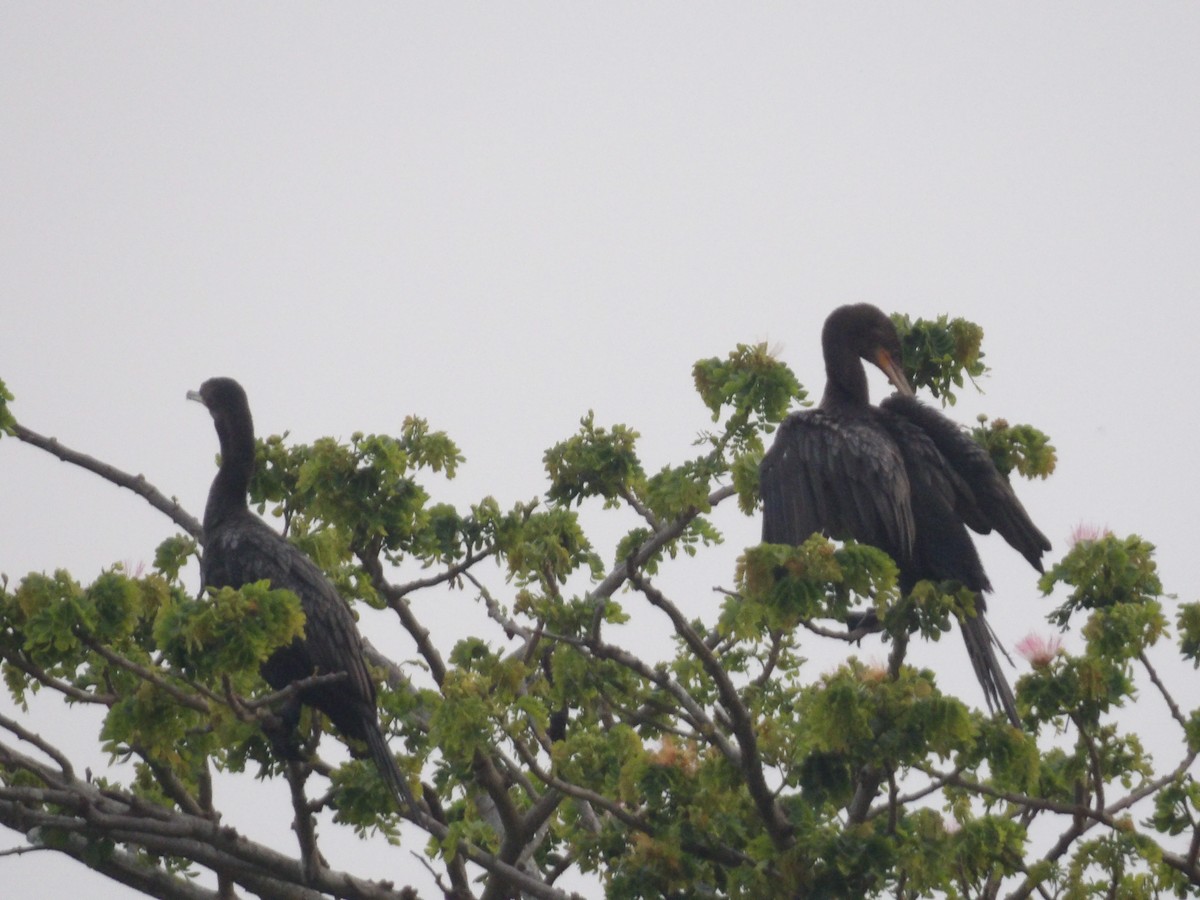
x=981 y=648
x=386 y=764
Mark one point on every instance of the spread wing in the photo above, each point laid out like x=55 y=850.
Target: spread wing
x=842 y=476
x=984 y=498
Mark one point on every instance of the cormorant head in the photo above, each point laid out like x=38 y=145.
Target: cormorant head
x=227 y=403
x=866 y=332
x=220 y=394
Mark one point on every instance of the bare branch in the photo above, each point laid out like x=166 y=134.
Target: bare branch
x=136 y=483
x=640 y=508
x=45 y=746
x=599 y=801
x=302 y=822
x=1176 y=713
x=80 y=808
x=170 y=784
x=400 y=605
x=131 y=870
x=449 y=574
x=652 y=545
x=619 y=812
x=692 y=711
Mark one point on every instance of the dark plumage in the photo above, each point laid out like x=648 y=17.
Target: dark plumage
x=239 y=549
x=901 y=477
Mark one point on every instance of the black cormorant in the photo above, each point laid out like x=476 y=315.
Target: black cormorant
x=239 y=549
x=901 y=477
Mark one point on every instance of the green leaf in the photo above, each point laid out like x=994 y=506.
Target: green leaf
x=7 y=420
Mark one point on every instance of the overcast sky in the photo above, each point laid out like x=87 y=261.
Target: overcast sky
x=500 y=216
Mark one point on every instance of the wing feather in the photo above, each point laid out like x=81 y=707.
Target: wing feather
x=989 y=501
x=248 y=550
x=841 y=476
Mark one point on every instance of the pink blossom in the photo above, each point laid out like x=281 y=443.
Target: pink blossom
x=1039 y=650
x=1082 y=532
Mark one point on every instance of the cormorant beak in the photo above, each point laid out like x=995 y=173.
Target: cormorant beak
x=895 y=374
x=196 y=395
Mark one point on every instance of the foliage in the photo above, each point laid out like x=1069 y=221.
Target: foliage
x=1020 y=447
x=6 y=417
x=727 y=766
x=939 y=355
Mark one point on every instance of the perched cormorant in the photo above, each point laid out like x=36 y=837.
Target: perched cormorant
x=901 y=477
x=240 y=548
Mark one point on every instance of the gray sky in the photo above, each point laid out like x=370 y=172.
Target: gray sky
x=501 y=216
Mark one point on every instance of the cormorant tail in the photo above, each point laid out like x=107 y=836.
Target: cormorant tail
x=981 y=648
x=386 y=764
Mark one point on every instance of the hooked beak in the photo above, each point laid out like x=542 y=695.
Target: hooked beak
x=895 y=374
x=195 y=395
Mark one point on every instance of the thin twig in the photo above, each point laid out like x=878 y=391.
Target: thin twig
x=449 y=574
x=643 y=554
x=1176 y=713
x=691 y=712
x=640 y=508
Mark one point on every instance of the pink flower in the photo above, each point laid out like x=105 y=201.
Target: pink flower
x=1082 y=532
x=1038 y=650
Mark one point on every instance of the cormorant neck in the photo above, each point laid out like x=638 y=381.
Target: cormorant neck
x=228 y=492
x=845 y=376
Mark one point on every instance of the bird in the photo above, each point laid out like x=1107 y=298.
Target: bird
x=900 y=476
x=240 y=548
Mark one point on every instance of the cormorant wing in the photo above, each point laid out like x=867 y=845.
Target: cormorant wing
x=839 y=474
x=245 y=550
x=991 y=502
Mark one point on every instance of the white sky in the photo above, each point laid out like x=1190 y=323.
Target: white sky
x=500 y=216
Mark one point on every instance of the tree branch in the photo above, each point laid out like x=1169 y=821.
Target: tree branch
x=400 y=605
x=449 y=574
x=136 y=483
x=181 y=697
x=1176 y=713
x=45 y=746
x=652 y=545
x=18 y=660
x=78 y=808
x=743 y=727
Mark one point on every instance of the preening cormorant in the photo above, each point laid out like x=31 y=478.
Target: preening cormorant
x=901 y=477
x=240 y=548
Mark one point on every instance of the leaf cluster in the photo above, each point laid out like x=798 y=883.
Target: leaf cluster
x=941 y=354
x=1020 y=447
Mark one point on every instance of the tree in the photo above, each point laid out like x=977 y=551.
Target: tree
x=546 y=747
